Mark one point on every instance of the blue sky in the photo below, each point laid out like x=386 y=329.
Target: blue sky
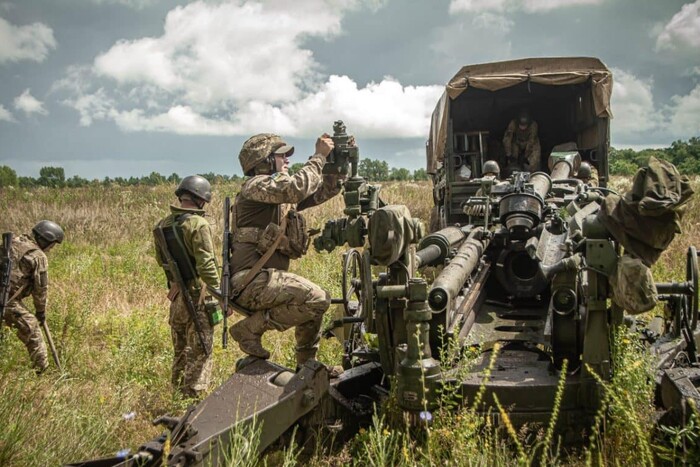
x=126 y=87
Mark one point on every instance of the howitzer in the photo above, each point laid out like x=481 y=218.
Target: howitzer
x=173 y=269
x=5 y=273
x=522 y=280
x=225 y=269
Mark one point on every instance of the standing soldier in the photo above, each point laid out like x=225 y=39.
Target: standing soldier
x=268 y=231
x=184 y=242
x=521 y=143
x=29 y=276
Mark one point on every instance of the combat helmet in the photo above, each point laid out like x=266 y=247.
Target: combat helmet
x=47 y=232
x=584 y=171
x=524 y=118
x=491 y=167
x=258 y=148
x=197 y=186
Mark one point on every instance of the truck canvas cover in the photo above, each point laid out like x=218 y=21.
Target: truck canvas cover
x=501 y=75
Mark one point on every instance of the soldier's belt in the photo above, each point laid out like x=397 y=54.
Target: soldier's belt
x=247 y=234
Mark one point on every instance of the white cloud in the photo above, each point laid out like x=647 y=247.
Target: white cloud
x=503 y=6
x=31 y=42
x=683 y=30
x=378 y=110
x=29 y=104
x=237 y=67
x=685 y=114
x=6 y=115
x=633 y=105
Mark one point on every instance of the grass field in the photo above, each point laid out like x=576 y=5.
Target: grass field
x=108 y=314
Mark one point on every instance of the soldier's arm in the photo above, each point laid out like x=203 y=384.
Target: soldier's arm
x=282 y=188
x=203 y=253
x=330 y=187
x=508 y=138
x=40 y=286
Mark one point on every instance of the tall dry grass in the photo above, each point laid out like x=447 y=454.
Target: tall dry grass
x=108 y=313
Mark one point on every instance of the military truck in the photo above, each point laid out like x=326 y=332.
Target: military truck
x=569 y=99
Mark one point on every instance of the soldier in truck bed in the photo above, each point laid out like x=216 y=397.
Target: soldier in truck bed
x=521 y=143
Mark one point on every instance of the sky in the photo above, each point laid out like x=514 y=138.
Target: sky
x=127 y=87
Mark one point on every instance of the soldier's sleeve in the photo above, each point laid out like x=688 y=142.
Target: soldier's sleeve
x=203 y=252
x=158 y=253
x=282 y=188
x=508 y=138
x=40 y=286
x=330 y=187
x=534 y=132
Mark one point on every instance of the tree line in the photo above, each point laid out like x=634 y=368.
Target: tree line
x=685 y=155
x=55 y=177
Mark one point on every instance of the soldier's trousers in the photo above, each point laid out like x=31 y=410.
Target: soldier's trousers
x=191 y=370
x=288 y=300
x=29 y=332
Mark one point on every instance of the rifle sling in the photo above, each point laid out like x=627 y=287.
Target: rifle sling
x=261 y=262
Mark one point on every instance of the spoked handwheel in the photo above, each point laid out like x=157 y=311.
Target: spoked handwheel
x=357 y=300
x=352 y=265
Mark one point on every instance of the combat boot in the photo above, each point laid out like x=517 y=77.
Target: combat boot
x=248 y=333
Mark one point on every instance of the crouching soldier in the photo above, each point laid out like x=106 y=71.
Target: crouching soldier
x=29 y=276
x=268 y=232
x=185 y=250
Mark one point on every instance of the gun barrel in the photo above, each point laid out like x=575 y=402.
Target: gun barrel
x=451 y=280
x=435 y=248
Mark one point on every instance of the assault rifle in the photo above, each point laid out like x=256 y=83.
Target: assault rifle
x=171 y=267
x=225 y=269
x=5 y=275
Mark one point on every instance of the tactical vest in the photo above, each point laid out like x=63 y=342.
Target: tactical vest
x=258 y=223
x=173 y=234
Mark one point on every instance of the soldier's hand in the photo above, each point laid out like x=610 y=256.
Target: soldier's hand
x=41 y=317
x=324 y=145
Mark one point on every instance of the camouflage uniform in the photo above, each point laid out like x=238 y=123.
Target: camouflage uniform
x=191 y=371
x=522 y=145
x=281 y=299
x=29 y=276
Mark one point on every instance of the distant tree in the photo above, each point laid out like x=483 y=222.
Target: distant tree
x=295 y=168
x=420 y=174
x=54 y=177
x=27 y=182
x=76 y=181
x=399 y=174
x=8 y=177
x=174 y=178
x=374 y=170
x=153 y=179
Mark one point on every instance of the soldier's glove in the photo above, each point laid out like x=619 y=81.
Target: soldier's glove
x=41 y=316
